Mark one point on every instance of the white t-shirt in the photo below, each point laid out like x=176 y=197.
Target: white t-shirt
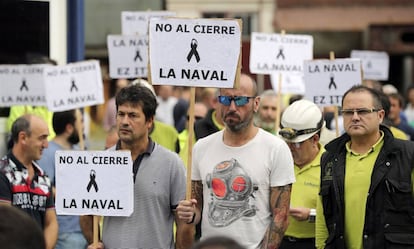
x=236 y=184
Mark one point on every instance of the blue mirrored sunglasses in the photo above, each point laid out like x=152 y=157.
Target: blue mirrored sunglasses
x=238 y=100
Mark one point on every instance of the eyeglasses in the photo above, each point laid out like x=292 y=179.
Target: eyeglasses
x=298 y=144
x=359 y=111
x=238 y=100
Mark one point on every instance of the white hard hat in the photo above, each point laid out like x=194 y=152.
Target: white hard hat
x=142 y=82
x=300 y=121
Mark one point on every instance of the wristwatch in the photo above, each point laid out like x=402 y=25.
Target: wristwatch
x=312 y=216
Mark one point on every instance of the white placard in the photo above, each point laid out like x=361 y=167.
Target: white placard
x=136 y=22
x=22 y=85
x=194 y=52
x=128 y=56
x=276 y=53
x=327 y=80
x=290 y=83
x=375 y=64
x=73 y=86
x=94 y=183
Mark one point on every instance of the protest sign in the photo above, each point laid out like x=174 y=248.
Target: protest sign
x=73 y=85
x=194 y=52
x=94 y=183
x=279 y=53
x=128 y=56
x=22 y=85
x=327 y=80
x=375 y=64
x=136 y=22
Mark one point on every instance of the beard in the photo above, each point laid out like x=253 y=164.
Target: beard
x=265 y=125
x=74 y=137
x=237 y=126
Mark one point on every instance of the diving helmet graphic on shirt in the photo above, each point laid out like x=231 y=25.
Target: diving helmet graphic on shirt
x=231 y=193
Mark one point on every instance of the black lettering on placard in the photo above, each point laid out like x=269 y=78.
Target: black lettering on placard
x=31 y=70
x=6 y=99
x=58 y=103
x=101 y=204
x=294 y=40
x=214 y=29
x=72 y=204
x=319 y=100
x=140 y=70
x=81 y=160
x=140 y=42
x=64 y=160
x=182 y=28
x=112 y=160
x=171 y=74
x=31 y=99
x=118 y=43
x=123 y=71
x=260 y=38
x=160 y=27
x=339 y=68
x=329 y=100
x=313 y=70
x=203 y=74
x=130 y=18
x=52 y=73
x=4 y=70
x=279 y=67
x=81 y=99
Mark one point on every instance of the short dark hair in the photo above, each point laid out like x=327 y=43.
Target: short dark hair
x=218 y=242
x=18 y=230
x=376 y=95
x=398 y=97
x=137 y=95
x=22 y=123
x=61 y=119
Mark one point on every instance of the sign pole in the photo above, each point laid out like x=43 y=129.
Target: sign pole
x=190 y=141
x=279 y=96
x=95 y=230
x=332 y=57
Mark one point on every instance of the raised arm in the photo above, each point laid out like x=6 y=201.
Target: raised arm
x=279 y=205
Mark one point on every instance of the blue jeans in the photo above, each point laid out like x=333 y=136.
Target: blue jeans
x=73 y=240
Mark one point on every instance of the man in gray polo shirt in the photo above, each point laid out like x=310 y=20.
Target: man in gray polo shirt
x=159 y=181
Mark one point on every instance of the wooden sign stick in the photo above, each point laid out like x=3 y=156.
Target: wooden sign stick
x=332 y=57
x=190 y=141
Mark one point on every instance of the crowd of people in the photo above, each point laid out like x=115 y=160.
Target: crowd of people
x=255 y=183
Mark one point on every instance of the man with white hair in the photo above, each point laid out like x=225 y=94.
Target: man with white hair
x=266 y=116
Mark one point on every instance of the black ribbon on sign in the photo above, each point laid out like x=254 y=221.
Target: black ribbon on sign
x=92 y=181
x=73 y=86
x=193 y=51
x=24 y=86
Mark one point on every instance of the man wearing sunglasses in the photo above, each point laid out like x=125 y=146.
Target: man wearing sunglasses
x=301 y=124
x=366 y=191
x=241 y=176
